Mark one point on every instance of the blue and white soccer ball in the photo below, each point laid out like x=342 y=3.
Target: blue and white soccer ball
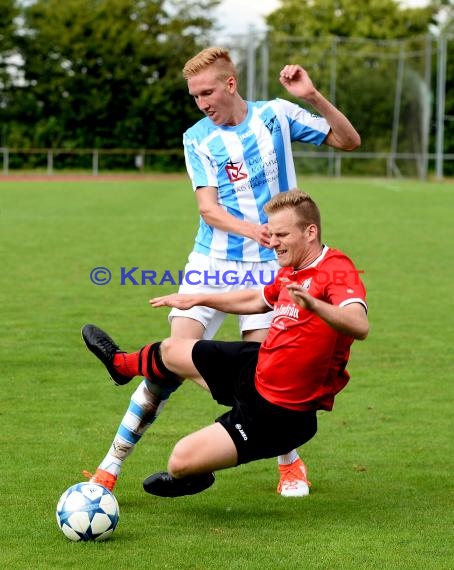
x=87 y=511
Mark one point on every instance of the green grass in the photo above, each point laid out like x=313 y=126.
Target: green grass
x=381 y=464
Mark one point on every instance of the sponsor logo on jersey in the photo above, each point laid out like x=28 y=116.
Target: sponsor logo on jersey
x=270 y=124
x=234 y=171
x=287 y=311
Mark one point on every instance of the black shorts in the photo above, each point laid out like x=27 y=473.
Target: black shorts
x=258 y=428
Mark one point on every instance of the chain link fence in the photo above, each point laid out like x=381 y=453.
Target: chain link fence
x=394 y=92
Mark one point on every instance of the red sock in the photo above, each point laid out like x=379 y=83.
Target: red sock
x=133 y=363
x=146 y=362
x=127 y=364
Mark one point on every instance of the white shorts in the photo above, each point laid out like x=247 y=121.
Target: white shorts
x=204 y=274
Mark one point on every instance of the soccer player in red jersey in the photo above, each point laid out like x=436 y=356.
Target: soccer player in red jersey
x=274 y=389
x=238 y=156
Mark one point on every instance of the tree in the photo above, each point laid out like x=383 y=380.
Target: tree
x=374 y=19
x=8 y=14
x=107 y=73
x=363 y=55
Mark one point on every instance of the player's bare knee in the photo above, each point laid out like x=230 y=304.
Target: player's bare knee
x=167 y=349
x=179 y=464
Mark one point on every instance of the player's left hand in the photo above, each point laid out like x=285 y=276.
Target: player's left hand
x=297 y=81
x=301 y=297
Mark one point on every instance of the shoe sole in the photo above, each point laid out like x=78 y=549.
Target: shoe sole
x=293 y=494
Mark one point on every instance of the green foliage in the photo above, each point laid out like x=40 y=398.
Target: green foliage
x=380 y=465
x=371 y=58
x=374 y=19
x=108 y=73
x=8 y=13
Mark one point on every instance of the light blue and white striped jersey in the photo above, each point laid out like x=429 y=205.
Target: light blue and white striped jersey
x=248 y=164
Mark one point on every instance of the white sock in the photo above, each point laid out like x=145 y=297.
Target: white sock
x=144 y=408
x=288 y=458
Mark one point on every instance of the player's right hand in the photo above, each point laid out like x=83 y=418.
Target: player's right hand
x=177 y=300
x=261 y=235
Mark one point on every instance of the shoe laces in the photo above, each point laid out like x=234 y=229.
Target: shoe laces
x=108 y=346
x=105 y=478
x=293 y=474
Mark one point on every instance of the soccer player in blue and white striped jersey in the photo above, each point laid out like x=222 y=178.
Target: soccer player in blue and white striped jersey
x=238 y=157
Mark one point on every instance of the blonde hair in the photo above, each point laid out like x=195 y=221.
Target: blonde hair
x=213 y=56
x=303 y=205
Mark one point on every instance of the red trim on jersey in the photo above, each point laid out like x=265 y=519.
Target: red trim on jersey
x=302 y=361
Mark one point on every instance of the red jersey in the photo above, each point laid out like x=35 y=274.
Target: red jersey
x=301 y=363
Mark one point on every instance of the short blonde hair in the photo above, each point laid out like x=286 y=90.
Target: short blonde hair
x=212 y=56
x=305 y=208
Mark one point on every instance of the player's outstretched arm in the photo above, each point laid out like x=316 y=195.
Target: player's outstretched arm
x=247 y=301
x=342 y=134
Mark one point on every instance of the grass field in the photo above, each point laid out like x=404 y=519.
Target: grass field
x=381 y=464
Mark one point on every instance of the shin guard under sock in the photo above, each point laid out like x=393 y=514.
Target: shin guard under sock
x=147 y=362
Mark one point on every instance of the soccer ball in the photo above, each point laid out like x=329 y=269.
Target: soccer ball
x=87 y=511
